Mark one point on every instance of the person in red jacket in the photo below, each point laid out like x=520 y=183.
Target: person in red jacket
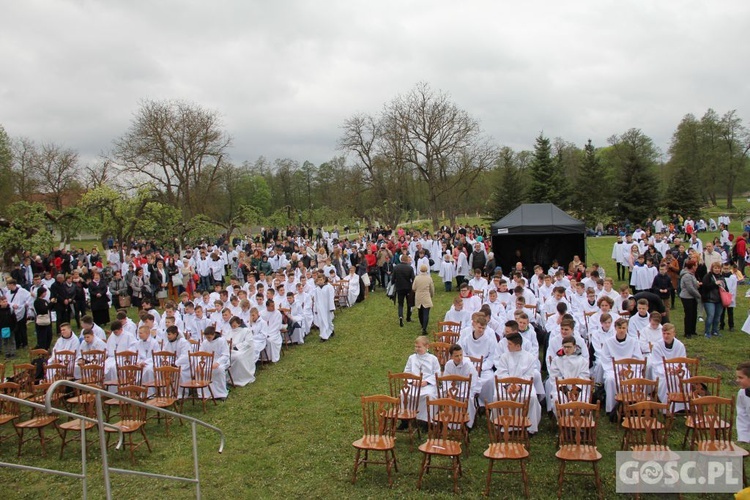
x=740 y=250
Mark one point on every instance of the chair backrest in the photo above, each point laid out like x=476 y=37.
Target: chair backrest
x=126 y=358
x=67 y=359
x=35 y=354
x=453 y=387
x=628 y=368
x=54 y=372
x=677 y=369
x=130 y=411
x=94 y=357
x=163 y=358
x=638 y=389
x=23 y=375
x=377 y=412
x=502 y=422
x=92 y=374
x=713 y=418
x=167 y=381
x=700 y=386
x=9 y=408
x=577 y=423
x=440 y=350
x=407 y=388
x=452 y=326
x=570 y=390
x=195 y=345
x=478 y=293
x=447 y=336
x=477 y=362
x=129 y=375
x=514 y=389
x=201 y=366
x=650 y=423
x=445 y=415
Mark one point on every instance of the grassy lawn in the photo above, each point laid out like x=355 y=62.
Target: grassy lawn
x=289 y=434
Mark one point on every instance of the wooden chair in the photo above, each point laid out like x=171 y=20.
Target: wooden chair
x=713 y=418
x=443 y=414
x=230 y=379
x=572 y=390
x=94 y=357
x=37 y=354
x=127 y=375
x=632 y=391
x=163 y=358
x=166 y=383
x=379 y=433
x=458 y=388
x=675 y=370
x=650 y=423
x=624 y=369
x=441 y=352
x=407 y=388
x=342 y=293
x=91 y=375
x=124 y=358
x=195 y=345
x=39 y=421
x=578 y=441
x=67 y=359
x=24 y=375
x=52 y=373
x=200 y=378
x=132 y=418
x=507 y=440
x=447 y=337
x=452 y=326
x=478 y=293
x=697 y=387
x=517 y=390
x=9 y=410
x=2 y=372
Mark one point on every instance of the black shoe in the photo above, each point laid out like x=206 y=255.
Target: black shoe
x=401 y=322
x=408 y=320
x=403 y=425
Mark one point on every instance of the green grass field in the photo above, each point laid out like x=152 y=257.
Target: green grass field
x=289 y=434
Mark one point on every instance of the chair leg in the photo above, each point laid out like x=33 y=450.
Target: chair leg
x=598 y=480
x=489 y=478
x=395 y=462
x=421 y=471
x=145 y=439
x=19 y=431
x=525 y=478
x=367 y=459
x=356 y=466
x=64 y=442
x=560 y=479
x=388 y=468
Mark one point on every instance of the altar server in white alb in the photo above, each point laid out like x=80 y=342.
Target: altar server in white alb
x=90 y=342
x=569 y=363
x=667 y=348
x=146 y=345
x=478 y=344
x=242 y=355
x=273 y=323
x=521 y=364
x=177 y=344
x=66 y=342
x=458 y=364
x=743 y=402
x=216 y=345
x=324 y=307
x=425 y=364
x=621 y=346
x=118 y=341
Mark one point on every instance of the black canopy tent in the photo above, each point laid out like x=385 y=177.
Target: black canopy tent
x=537 y=233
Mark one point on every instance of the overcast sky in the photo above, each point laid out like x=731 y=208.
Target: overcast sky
x=284 y=75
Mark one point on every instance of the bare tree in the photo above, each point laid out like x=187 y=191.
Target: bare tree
x=24 y=164
x=178 y=147
x=57 y=173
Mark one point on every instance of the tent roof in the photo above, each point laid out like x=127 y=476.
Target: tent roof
x=538 y=218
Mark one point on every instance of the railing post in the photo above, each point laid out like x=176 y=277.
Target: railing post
x=103 y=445
x=195 y=463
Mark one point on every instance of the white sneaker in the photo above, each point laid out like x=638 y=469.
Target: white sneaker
x=700 y=319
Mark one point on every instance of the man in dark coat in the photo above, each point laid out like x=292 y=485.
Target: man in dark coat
x=403 y=277
x=99 y=299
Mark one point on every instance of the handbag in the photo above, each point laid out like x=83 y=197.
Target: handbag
x=726 y=297
x=390 y=292
x=5 y=332
x=43 y=320
x=366 y=279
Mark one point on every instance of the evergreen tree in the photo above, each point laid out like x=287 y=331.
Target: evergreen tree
x=683 y=190
x=547 y=181
x=590 y=191
x=637 y=183
x=509 y=188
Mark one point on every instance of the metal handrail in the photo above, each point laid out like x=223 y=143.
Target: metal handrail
x=100 y=419
x=48 y=409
